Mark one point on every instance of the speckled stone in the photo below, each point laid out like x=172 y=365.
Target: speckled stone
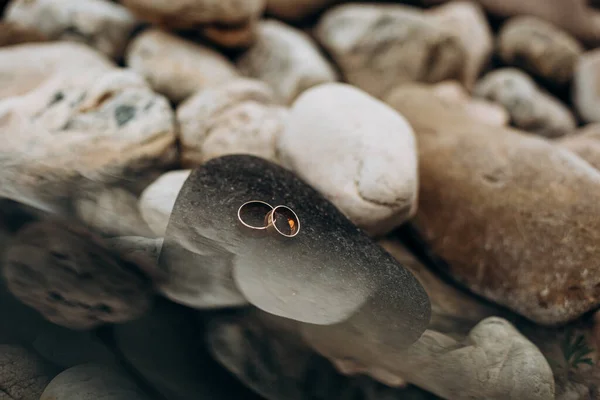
x=100 y=24
x=324 y=275
x=23 y=374
x=70 y=276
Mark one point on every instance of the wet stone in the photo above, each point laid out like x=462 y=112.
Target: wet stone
x=324 y=275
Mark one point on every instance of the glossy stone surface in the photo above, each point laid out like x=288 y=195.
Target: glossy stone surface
x=324 y=275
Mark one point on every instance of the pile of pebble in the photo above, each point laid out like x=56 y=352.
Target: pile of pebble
x=443 y=156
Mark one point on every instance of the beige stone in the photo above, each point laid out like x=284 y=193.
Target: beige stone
x=73 y=124
x=585 y=142
x=73 y=279
x=238 y=117
x=509 y=213
x=295 y=10
x=101 y=24
x=358 y=152
x=157 y=201
x=540 y=48
x=578 y=17
x=468 y=22
x=586 y=86
x=530 y=107
x=12 y=34
x=112 y=211
x=287 y=59
x=175 y=67
x=228 y=22
x=380 y=46
x=480 y=109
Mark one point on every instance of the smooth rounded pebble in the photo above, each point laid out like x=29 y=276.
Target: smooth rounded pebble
x=157 y=201
x=175 y=67
x=357 y=151
x=239 y=117
x=512 y=215
x=540 y=48
x=530 y=108
x=467 y=21
x=101 y=24
x=93 y=382
x=70 y=276
x=586 y=84
x=380 y=46
x=287 y=59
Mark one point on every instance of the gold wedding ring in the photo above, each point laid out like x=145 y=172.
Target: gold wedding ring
x=284 y=221
x=252 y=214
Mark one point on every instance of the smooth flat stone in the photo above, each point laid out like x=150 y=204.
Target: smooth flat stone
x=321 y=276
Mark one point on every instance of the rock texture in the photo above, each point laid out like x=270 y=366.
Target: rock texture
x=91 y=382
x=112 y=211
x=237 y=117
x=23 y=375
x=101 y=24
x=586 y=81
x=486 y=197
x=358 y=152
x=72 y=278
x=493 y=362
x=175 y=67
x=83 y=125
x=286 y=59
x=330 y=272
x=228 y=22
x=483 y=110
x=158 y=200
x=273 y=361
x=530 y=108
x=585 y=142
x=295 y=10
x=380 y=46
x=12 y=34
x=468 y=22
x=540 y=48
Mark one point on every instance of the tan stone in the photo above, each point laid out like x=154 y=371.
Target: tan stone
x=73 y=279
x=380 y=46
x=578 y=17
x=175 y=67
x=540 y=48
x=586 y=86
x=468 y=22
x=11 y=34
x=295 y=10
x=356 y=151
x=287 y=59
x=101 y=24
x=72 y=123
x=512 y=215
x=228 y=22
x=238 y=117
x=530 y=107
x=480 y=109
x=586 y=143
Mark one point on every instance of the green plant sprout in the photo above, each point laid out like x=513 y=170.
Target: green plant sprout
x=576 y=350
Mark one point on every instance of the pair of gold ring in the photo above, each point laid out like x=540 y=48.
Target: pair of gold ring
x=259 y=215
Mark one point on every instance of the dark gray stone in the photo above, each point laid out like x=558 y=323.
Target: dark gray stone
x=329 y=273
